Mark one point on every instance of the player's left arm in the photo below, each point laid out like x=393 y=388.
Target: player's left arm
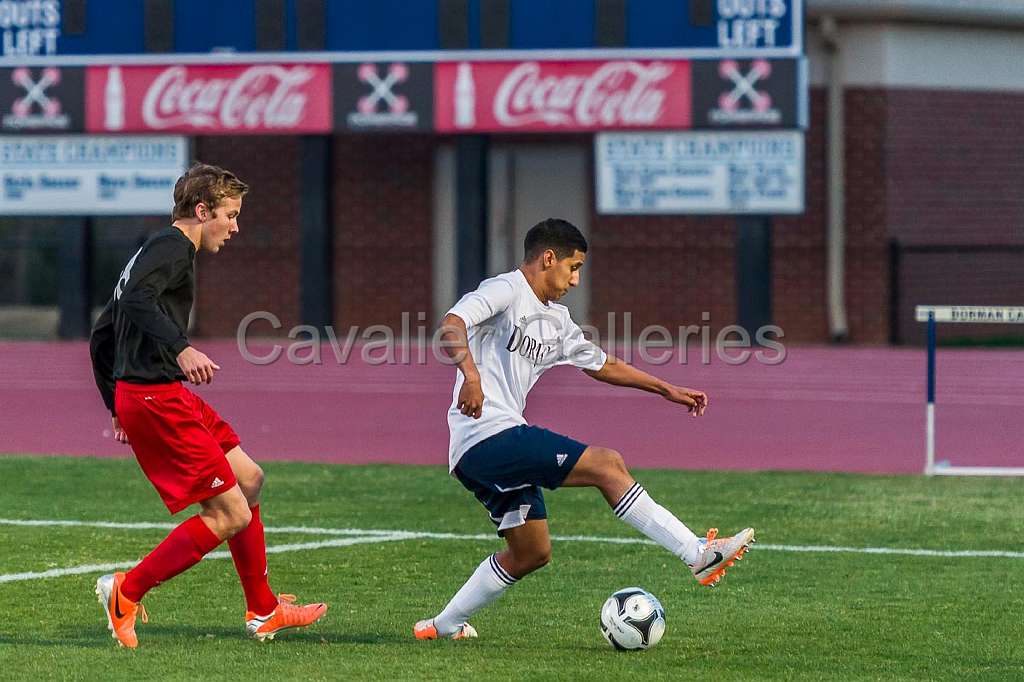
x=618 y=373
x=101 y=352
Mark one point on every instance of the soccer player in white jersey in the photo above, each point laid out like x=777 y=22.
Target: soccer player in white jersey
x=502 y=337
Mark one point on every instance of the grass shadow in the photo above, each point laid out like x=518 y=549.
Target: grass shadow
x=314 y=636
x=90 y=641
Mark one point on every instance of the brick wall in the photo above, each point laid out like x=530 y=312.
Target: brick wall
x=954 y=175
x=954 y=168
x=798 y=246
x=665 y=270
x=661 y=269
x=987 y=277
x=669 y=269
x=259 y=268
x=382 y=202
x=923 y=167
x=383 y=224
x=867 y=253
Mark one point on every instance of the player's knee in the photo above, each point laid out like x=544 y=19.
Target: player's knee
x=615 y=462
x=237 y=520
x=258 y=477
x=535 y=559
x=527 y=560
x=253 y=483
x=542 y=558
x=610 y=464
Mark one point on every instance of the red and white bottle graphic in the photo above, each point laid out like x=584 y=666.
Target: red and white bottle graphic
x=465 y=97
x=113 y=100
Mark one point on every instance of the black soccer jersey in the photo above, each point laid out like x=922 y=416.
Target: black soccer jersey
x=141 y=331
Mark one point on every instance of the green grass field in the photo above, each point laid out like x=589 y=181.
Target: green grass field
x=780 y=614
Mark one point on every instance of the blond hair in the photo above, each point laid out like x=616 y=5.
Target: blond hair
x=204 y=184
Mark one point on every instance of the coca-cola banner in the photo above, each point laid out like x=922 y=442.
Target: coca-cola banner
x=561 y=96
x=260 y=98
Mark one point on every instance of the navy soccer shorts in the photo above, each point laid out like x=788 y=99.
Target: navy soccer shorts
x=507 y=470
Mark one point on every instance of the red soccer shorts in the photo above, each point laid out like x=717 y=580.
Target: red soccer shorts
x=178 y=440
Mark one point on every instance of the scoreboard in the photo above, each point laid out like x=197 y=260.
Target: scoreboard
x=73 y=32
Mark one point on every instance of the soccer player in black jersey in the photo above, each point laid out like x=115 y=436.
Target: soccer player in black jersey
x=140 y=355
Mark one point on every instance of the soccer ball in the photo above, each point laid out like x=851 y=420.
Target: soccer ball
x=632 y=618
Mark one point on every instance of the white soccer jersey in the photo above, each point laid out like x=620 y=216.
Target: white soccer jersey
x=514 y=338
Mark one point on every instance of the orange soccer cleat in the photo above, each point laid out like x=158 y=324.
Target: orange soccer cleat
x=425 y=629
x=121 y=611
x=287 y=615
x=719 y=554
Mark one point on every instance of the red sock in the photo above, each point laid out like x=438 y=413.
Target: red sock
x=249 y=552
x=182 y=549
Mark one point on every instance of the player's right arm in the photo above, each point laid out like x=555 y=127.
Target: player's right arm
x=455 y=341
x=492 y=297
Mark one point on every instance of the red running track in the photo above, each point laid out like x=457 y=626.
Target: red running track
x=822 y=409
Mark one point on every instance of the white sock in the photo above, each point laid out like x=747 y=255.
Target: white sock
x=659 y=524
x=486 y=584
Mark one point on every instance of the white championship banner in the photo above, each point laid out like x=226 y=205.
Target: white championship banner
x=90 y=175
x=733 y=172
x=974 y=314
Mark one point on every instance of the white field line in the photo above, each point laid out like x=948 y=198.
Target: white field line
x=275 y=549
x=388 y=535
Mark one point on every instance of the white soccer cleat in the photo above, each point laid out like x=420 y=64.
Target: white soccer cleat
x=719 y=554
x=425 y=629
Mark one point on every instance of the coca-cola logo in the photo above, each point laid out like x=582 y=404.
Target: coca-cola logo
x=259 y=97
x=621 y=93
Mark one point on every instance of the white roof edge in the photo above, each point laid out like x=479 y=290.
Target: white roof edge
x=340 y=57
x=1002 y=13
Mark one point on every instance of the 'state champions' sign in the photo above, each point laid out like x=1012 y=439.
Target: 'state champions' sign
x=686 y=172
x=89 y=175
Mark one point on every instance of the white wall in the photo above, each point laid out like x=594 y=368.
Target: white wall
x=444 y=266
x=531 y=182
x=924 y=56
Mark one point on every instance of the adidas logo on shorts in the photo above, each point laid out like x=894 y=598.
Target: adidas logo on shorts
x=561 y=457
x=216 y=482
